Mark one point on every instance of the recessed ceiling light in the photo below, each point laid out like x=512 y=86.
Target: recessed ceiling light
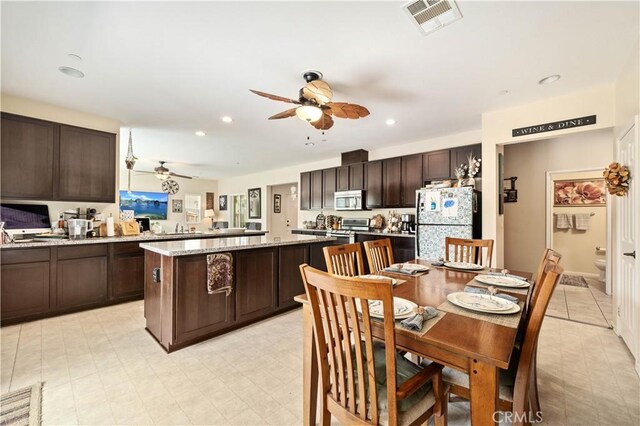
x=71 y=72
x=309 y=144
x=227 y=119
x=503 y=92
x=550 y=79
x=200 y=133
x=390 y=122
x=75 y=57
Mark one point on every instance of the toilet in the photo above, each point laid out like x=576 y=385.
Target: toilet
x=601 y=264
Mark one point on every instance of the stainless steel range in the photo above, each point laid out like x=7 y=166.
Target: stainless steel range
x=348 y=227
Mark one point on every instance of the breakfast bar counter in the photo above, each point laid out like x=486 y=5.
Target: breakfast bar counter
x=260 y=276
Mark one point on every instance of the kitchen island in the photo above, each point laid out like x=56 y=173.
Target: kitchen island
x=265 y=278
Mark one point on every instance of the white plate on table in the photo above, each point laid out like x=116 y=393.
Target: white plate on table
x=483 y=303
x=402 y=308
x=502 y=281
x=466 y=266
x=379 y=277
x=410 y=267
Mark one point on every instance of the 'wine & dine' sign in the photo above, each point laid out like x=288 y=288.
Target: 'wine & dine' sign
x=556 y=125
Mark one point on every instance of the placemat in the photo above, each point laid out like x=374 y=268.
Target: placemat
x=524 y=291
x=511 y=320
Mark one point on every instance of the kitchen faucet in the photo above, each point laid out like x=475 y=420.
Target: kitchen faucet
x=177 y=227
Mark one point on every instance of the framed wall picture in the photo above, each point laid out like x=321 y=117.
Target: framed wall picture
x=579 y=192
x=277 y=203
x=176 y=206
x=222 y=203
x=255 y=201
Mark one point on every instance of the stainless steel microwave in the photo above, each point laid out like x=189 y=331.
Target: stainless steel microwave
x=349 y=200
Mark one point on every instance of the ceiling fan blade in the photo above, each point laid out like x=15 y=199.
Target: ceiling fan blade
x=180 y=176
x=142 y=172
x=346 y=110
x=319 y=91
x=284 y=114
x=275 y=97
x=324 y=123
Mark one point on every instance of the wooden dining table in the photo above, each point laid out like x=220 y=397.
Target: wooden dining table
x=477 y=347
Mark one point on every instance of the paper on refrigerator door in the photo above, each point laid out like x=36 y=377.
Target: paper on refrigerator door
x=432 y=201
x=450 y=207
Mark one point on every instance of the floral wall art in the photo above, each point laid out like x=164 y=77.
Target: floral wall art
x=583 y=192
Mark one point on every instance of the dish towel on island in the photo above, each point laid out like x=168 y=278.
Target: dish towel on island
x=563 y=221
x=583 y=221
x=478 y=290
x=415 y=322
x=219 y=273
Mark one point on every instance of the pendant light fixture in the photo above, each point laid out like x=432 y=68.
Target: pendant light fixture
x=130 y=161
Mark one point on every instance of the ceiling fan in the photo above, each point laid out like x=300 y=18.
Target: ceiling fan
x=163 y=172
x=315 y=105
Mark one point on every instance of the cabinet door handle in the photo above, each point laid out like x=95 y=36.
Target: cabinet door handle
x=631 y=253
x=156 y=275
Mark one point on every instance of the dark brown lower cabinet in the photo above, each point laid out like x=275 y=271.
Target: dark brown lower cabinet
x=256 y=282
x=290 y=281
x=126 y=264
x=24 y=280
x=197 y=312
x=81 y=276
x=152 y=294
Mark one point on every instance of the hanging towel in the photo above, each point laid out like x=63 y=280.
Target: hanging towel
x=219 y=273
x=583 y=221
x=563 y=221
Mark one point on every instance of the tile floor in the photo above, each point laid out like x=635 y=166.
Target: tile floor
x=101 y=367
x=587 y=305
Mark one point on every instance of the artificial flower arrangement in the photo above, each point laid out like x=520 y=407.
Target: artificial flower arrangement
x=468 y=170
x=617 y=177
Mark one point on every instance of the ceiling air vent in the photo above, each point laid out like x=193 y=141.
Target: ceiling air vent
x=431 y=15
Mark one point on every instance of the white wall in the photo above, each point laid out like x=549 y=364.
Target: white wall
x=525 y=221
x=27 y=107
x=241 y=184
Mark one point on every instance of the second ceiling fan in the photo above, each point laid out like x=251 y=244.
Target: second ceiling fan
x=315 y=105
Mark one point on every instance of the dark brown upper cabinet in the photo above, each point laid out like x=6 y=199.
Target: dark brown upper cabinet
x=305 y=191
x=460 y=156
x=374 y=184
x=27 y=151
x=435 y=165
x=392 y=182
x=42 y=160
x=342 y=178
x=328 y=188
x=357 y=176
x=316 y=190
x=411 y=178
x=87 y=165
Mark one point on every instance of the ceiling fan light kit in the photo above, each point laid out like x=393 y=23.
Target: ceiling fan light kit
x=315 y=105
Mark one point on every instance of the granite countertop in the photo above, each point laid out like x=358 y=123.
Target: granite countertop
x=214 y=245
x=389 y=234
x=126 y=239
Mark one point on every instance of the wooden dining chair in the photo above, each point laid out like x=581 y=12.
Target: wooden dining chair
x=549 y=256
x=515 y=383
x=468 y=250
x=345 y=260
x=361 y=380
x=379 y=254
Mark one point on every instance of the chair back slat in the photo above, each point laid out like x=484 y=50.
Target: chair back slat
x=532 y=332
x=344 y=342
x=549 y=256
x=345 y=260
x=379 y=254
x=467 y=250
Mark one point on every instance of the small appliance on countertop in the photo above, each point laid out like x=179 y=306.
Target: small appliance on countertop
x=408 y=223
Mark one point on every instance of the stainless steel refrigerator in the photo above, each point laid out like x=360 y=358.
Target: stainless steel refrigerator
x=445 y=212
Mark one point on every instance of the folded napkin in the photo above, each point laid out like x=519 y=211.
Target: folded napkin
x=518 y=277
x=478 y=290
x=401 y=270
x=415 y=322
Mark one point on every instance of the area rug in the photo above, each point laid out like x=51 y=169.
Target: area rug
x=574 y=280
x=22 y=407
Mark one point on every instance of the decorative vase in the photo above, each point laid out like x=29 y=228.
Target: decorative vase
x=460 y=182
x=470 y=182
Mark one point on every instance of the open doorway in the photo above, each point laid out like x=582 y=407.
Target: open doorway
x=282 y=209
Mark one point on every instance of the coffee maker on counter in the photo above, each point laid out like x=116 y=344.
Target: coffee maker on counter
x=408 y=223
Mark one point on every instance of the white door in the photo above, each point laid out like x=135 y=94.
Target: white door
x=281 y=223
x=627 y=298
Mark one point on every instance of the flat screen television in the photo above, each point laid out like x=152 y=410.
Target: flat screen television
x=25 y=218
x=152 y=205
